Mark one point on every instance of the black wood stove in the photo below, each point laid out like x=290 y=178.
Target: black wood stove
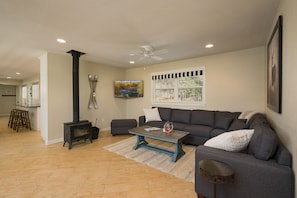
x=76 y=130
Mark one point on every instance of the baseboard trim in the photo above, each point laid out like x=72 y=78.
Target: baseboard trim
x=48 y=142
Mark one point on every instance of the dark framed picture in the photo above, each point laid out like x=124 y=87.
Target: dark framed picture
x=274 y=68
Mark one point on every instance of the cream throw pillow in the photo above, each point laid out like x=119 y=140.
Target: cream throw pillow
x=247 y=115
x=231 y=141
x=152 y=115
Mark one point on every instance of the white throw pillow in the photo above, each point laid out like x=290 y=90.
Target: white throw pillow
x=231 y=141
x=152 y=115
x=247 y=115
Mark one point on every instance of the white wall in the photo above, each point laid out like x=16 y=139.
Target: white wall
x=235 y=81
x=285 y=123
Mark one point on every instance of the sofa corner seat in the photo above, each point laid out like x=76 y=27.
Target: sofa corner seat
x=264 y=169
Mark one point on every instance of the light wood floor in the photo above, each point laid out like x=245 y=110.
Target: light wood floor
x=29 y=168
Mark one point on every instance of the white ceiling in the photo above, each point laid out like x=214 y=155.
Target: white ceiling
x=109 y=30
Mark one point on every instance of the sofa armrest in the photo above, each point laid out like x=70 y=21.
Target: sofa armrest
x=253 y=177
x=141 y=120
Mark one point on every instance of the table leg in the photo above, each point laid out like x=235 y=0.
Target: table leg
x=178 y=151
x=139 y=142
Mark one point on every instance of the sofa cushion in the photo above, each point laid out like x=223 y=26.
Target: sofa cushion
x=179 y=126
x=165 y=113
x=238 y=124
x=215 y=132
x=180 y=116
x=152 y=115
x=263 y=143
x=231 y=141
x=223 y=119
x=199 y=130
x=158 y=124
x=258 y=119
x=202 y=117
x=283 y=156
x=223 y=122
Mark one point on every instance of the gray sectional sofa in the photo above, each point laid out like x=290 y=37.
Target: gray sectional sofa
x=264 y=169
x=201 y=124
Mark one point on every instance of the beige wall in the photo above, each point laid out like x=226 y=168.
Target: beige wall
x=7 y=103
x=235 y=81
x=56 y=95
x=285 y=122
x=108 y=107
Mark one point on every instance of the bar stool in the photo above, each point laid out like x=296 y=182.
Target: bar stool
x=12 y=118
x=19 y=118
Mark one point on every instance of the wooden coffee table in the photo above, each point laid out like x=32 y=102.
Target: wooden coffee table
x=176 y=137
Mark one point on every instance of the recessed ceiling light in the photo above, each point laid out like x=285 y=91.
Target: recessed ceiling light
x=132 y=54
x=18 y=73
x=60 y=40
x=209 y=45
x=132 y=62
x=8 y=77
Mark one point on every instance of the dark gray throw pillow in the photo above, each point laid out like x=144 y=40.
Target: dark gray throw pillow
x=238 y=124
x=223 y=122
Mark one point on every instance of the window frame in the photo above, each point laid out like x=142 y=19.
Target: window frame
x=196 y=73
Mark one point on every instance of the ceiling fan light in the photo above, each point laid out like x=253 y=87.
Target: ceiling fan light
x=209 y=45
x=60 y=40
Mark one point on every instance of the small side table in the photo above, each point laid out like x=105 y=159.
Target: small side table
x=216 y=172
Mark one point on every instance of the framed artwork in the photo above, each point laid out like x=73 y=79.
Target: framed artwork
x=274 y=68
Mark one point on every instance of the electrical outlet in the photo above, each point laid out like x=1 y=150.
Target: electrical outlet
x=102 y=119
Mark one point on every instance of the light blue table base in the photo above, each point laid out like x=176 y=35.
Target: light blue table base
x=176 y=154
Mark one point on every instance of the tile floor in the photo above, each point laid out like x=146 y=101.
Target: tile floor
x=29 y=168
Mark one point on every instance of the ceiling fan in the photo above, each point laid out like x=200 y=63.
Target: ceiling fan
x=147 y=51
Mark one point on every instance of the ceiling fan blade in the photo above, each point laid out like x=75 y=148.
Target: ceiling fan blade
x=161 y=52
x=148 y=52
x=141 y=58
x=158 y=58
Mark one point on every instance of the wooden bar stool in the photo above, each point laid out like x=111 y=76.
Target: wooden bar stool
x=12 y=118
x=21 y=119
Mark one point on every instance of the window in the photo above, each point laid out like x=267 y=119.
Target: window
x=30 y=94
x=24 y=94
x=35 y=93
x=179 y=86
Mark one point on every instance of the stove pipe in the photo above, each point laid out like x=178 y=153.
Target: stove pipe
x=75 y=83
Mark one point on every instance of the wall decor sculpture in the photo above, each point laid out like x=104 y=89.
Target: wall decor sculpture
x=92 y=100
x=274 y=68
